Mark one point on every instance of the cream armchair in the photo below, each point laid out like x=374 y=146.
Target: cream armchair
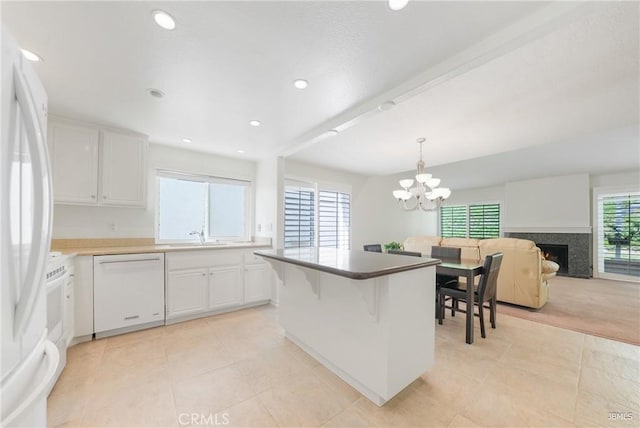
x=523 y=274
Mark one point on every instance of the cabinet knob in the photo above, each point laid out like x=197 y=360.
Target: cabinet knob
x=93 y=196
x=104 y=197
x=204 y=274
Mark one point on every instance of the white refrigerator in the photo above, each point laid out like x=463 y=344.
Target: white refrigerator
x=28 y=360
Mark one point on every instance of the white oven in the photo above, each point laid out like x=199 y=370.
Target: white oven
x=57 y=279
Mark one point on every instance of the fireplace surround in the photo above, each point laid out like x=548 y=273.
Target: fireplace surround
x=579 y=249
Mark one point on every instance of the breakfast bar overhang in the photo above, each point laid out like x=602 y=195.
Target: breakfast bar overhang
x=368 y=317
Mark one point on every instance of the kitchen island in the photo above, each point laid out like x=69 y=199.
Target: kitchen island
x=368 y=317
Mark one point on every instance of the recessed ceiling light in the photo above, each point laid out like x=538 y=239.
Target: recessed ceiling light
x=332 y=132
x=397 y=4
x=240 y=151
x=255 y=123
x=31 y=56
x=300 y=83
x=155 y=93
x=187 y=140
x=386 y=106
x=164 y=20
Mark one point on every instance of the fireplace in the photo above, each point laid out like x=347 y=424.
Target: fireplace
x=578 y=255
x=556 y=253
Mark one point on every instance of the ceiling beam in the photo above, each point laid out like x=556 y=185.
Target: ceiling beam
x=534 y=26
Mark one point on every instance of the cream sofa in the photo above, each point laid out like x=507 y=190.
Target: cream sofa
x=523 y=275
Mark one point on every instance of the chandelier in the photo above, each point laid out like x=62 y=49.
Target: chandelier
x=428 y=196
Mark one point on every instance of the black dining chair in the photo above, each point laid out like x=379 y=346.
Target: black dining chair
x=376 y=248
x=485 y=293
x=405 y=253
x=446 y=254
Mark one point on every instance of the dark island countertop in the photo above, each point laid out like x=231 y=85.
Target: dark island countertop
x=351 y=264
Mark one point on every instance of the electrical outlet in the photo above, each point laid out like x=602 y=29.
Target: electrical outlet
x=112 y=227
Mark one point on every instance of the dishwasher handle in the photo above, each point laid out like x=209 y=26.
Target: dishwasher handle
x=102 y=262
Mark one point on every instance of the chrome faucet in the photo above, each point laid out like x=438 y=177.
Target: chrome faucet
x=198 y=234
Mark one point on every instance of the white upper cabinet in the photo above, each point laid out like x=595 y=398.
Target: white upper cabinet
x=94 y=166
x=74 y=158
x=123 y=169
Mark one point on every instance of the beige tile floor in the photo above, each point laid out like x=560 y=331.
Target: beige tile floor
x=238 y=369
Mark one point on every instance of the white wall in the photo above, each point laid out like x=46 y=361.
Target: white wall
x=381 y=218
x=624 y=178
x=550 y=204
x=480 y=195
x=266 y=197
x=74 y=221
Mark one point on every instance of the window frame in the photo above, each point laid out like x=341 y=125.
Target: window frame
x=598 y=233
x=468 y=217
x=203 y=178
x=317 y=186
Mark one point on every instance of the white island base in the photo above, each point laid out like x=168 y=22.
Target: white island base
x=376 y=334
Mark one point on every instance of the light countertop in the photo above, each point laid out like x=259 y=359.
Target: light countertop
x=353 y=264
x=105 y=247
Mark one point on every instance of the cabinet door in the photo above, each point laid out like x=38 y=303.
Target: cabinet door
x=257 y=286
x=225 y=287
x=123 y=169
x=186 y=292
x=74 y=158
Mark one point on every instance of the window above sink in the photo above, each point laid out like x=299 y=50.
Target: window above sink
x=202 y=210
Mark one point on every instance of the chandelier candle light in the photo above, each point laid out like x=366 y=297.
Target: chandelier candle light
x=426 y=189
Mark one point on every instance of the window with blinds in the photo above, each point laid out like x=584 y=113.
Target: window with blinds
x=316 y=216
x=299 y=217
x=453 y=221
x=480 y=221
x=484 y=221
x=334 y=214
x=619 y=234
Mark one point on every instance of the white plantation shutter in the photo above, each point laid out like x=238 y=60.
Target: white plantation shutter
x=299 y=217
x=453 y=221
x=484 y=221
x=334 y=214
x=479 y=221
x=316 y=215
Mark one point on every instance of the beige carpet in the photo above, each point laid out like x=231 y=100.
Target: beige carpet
x=609 y=309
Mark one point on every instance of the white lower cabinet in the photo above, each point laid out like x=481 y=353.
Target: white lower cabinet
x=256 y=284
x=187 y=292
x=206 y=281
x=225 y=287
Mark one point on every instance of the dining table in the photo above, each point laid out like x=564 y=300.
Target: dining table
x=468 y=269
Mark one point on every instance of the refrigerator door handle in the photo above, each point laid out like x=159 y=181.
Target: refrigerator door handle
x=41 y=227
x=52 y=354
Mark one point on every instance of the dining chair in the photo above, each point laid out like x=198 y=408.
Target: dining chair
x=376 y=248
x=405 y=253
x=485 y=292
x=446 y=254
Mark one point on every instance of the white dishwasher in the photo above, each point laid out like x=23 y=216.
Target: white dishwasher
x=128 y=292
